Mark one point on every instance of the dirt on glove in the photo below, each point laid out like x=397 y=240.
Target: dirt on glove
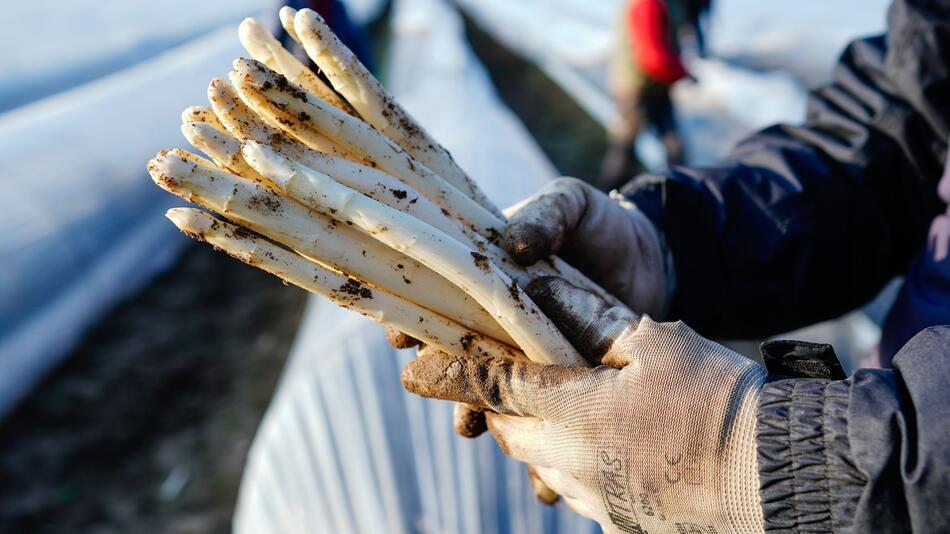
x=469 y=420
x=481 y=380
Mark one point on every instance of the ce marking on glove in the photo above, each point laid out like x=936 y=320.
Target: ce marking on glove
x=681 y=468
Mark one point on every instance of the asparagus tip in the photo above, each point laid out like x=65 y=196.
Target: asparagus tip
x=193 y=222
x=252 y=72
x=308 y=18
x=286 y=15
x=287 y=12
x=212 y=141
x=189 y=129
x=192 y=113
x=246 y=30
x=216 y=87
x=245 y=65
x=168 y=167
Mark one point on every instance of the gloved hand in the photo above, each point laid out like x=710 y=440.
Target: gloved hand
x=469 y=421
x=609 y=240
x=659 y=439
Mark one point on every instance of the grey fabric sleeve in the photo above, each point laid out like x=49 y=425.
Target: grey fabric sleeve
x=808 y=476
x=867 y=454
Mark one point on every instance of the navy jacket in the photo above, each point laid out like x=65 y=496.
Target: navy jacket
x=803 y=223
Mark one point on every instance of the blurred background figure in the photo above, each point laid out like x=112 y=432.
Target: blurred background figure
x=695 y=18
x=645 y=64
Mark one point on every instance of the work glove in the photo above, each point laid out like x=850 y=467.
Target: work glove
x=661 y=438
x=609 y=240
x=469 y=420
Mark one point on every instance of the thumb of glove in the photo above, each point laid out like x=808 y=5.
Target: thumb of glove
x=589 y=323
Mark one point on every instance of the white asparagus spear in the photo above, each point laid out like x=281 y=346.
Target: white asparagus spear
x=223 y=149
x=384 y=188
x=316 y=236
x=471 y=271
x=264 y=47
x=377 y=304
x=300 y=114
x=377 y=107
x=244 y=124
x=286 y=15
x=201 y=114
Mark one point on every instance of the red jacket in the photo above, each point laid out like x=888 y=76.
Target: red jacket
x=653 y=48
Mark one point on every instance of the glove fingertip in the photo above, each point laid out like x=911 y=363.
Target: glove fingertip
x=588 y=322
x=544 y=493
x=416 y=377
x=526 y=242
x=469 y=421
x=434 y=374
x=400 y=340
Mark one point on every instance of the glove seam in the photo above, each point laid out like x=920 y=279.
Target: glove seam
x=739 y=513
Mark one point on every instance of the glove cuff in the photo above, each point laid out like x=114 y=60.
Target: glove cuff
x=740 y=473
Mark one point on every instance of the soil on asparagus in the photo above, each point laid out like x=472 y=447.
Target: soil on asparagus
x=146 y=426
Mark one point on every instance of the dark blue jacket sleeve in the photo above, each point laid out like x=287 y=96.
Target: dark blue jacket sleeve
x=867 y=454
x=803 y=223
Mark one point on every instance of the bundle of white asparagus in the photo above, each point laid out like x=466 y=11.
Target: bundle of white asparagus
x=336 y=189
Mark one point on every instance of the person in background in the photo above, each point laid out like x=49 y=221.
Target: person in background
x=695 y=15
x=645 y=64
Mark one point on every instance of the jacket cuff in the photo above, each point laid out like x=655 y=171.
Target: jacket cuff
x=807 y=475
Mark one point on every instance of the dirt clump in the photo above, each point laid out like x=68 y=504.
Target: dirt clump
x=481 y=261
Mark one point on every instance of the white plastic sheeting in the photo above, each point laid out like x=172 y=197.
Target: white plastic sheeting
x=343 y=448
x=50 y=48
x=82 y=223
x=804 y=38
